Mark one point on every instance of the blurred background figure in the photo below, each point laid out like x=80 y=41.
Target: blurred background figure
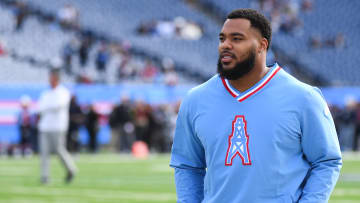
x=157 y=129
x=85 y=45
x=347 y=125
x=76 y=119
x=53 y=107
x=68 y=16
x=121 y=120
x=357 y=129
x=142 y=122
x=26 y=126
x=21 y=12
x=101 y=61
x=68 y=51
x=92 y=127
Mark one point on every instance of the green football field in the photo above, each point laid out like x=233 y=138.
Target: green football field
x=121 y=178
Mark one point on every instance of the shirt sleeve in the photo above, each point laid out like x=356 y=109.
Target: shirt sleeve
x=188 y=158
x=321 y=148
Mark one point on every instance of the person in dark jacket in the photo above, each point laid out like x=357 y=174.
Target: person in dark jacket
x=122 y=124
x=92 y=126
x=76 y=119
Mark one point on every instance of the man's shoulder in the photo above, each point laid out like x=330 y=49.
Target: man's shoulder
x=205 y=88
x=201 y=92
x=302 y=91
x=293 y=85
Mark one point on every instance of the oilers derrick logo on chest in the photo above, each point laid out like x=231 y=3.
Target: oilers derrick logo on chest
x=238 y=142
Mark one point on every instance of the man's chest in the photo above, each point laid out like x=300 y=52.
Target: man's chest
x=247 y=133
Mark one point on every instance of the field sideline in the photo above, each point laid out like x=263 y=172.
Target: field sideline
x=120 y=178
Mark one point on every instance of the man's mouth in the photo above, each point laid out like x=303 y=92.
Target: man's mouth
x=227 y=57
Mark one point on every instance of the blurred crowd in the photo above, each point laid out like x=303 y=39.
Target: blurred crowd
x=178 y=28
x=76 y=61
x=132 y=121
x=284 y=17
x=88 y=52
x=129 y=120
x=347 y=122
x=284 y=14
x=337 y=41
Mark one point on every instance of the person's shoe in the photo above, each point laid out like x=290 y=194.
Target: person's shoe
x=69 y=177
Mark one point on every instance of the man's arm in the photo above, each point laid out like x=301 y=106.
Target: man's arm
x=189 y=184
x=188 y=158
x=321 y=148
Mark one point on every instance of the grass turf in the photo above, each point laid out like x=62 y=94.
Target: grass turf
x=120 y=178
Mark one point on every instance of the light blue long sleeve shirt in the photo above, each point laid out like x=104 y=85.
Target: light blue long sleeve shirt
x=273 y=143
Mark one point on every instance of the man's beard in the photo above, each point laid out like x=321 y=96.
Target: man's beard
x=239 y=70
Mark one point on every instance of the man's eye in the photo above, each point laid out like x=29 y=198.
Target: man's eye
x=221 y=39
x=237 y=39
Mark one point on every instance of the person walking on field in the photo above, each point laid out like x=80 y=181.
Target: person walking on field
x=53 y=107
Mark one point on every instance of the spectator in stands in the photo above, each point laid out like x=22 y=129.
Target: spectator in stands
x=21 y=13
x=276 y=20
x=170 y=75
x=76 y=119
x=147 y=28
x=121 y=121
x=67 y=54
x=92 y=126
x=165 y=29
x=178 y=28
x=315 y=42
x=101 y=61
x=84 y=49
x=339 y=41
x=53 y=107
x=127 y=69
x=68 y=16
x=2 y=48
x=188 y=30
x=149 y=72
x=25 y=124
x=307 y=5
x=291 y=24
x=283 y=15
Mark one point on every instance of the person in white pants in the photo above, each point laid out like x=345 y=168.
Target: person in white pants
x=53 y=108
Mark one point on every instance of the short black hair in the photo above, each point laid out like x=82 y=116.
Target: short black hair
x=55 y=72
x=257 y=20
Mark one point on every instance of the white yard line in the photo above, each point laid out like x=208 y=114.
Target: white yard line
x=92 y=193
x=345 y=192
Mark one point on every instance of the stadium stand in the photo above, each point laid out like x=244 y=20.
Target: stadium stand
x=45 y=43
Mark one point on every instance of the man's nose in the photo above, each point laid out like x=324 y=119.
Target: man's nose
x=226 y=44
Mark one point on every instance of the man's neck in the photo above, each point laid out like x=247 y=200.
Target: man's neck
x=54 y=86
x=250 y=79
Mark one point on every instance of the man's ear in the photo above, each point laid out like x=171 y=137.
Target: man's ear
x=263 y=45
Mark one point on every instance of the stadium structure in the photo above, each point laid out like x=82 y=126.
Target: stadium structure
x=316 y=41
